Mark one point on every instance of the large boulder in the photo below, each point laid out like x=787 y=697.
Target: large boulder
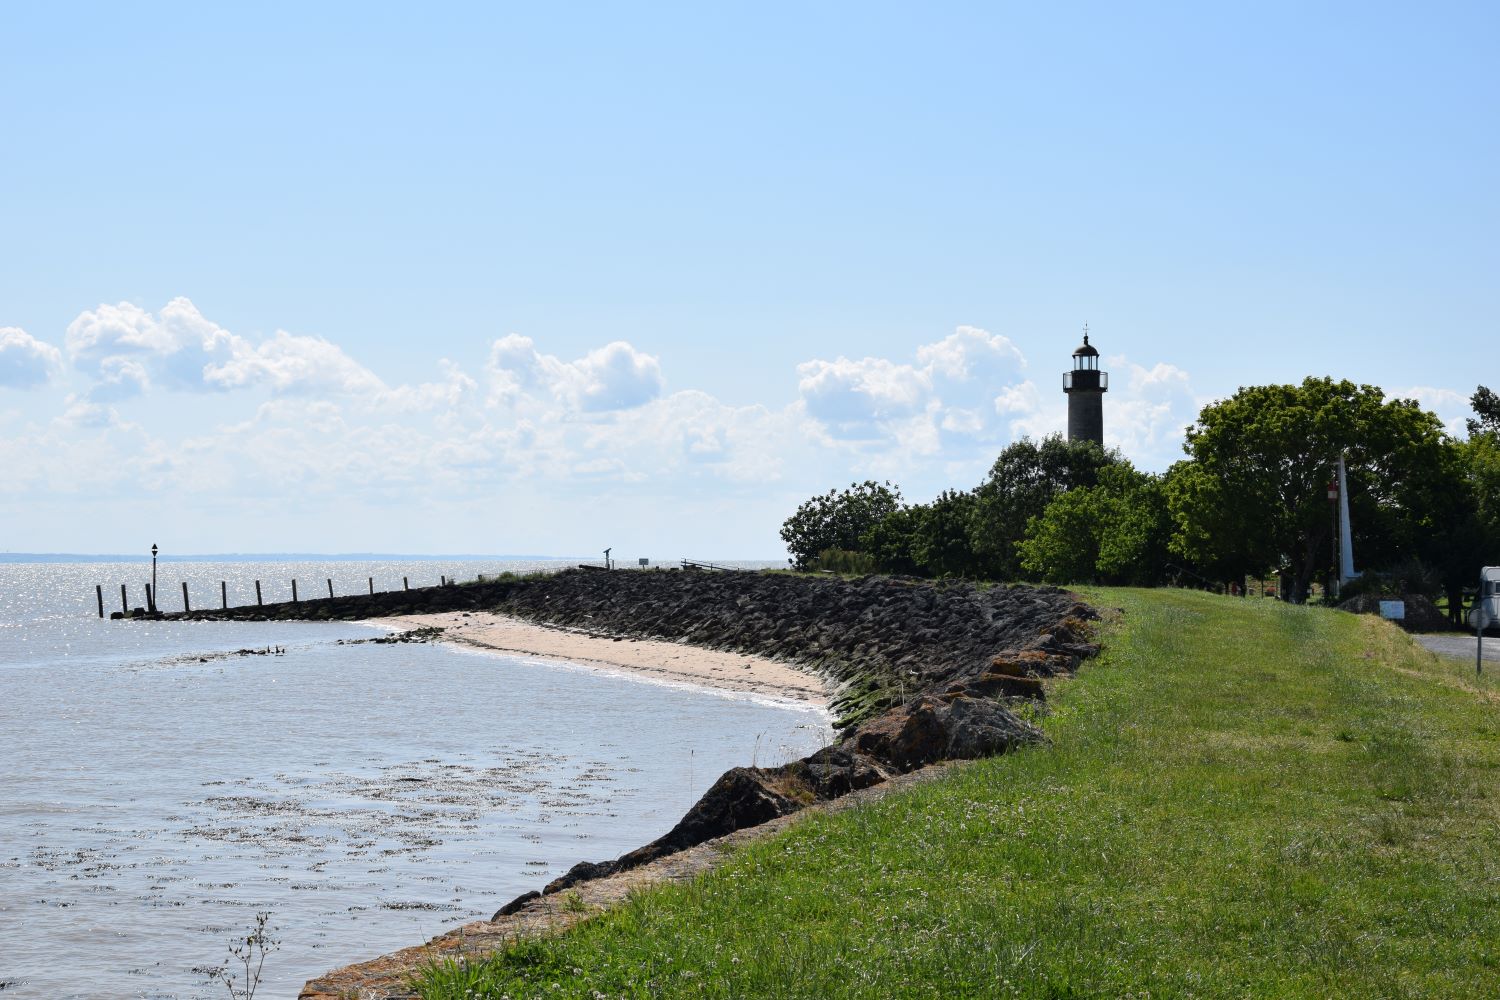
x=931 y=729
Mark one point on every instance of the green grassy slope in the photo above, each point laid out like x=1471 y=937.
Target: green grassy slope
x=1243 y=799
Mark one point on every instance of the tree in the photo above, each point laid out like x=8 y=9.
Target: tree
x=1254 y=497
x=1486 y=419
x=1116 y=532
x=940 y=542
x=1022 y=482
x=1062 y=545
x=889 y=541
x=1133 y=548
x=837 y=519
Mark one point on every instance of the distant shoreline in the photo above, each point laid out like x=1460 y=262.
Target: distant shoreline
x=74 y=557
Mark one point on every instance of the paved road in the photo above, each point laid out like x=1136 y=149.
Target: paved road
x=1460 y=645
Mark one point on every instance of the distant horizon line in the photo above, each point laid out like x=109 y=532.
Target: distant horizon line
x=30 y=557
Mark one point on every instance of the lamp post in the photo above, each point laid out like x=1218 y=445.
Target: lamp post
x=153 y=578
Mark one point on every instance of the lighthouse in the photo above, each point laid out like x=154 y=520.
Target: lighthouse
x=1086 y=386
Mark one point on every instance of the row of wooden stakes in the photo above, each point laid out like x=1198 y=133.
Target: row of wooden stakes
x=152 y=609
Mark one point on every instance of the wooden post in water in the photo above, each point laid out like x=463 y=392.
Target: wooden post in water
x=294 y=590
x=185 y=607
x=124 y=601
x=404 y=584
x=372 y=586
x=330 y=588
x=99 y=592
x=150 y=600
x=224 y=595
x=258 y=601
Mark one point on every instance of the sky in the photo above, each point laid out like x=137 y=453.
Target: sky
x=453 y=278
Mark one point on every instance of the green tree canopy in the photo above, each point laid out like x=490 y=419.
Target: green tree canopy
x=1486 y=419
x=1023 y=481
x=1254 y=497
x=1115 y=532
x=837 y=519
x=940 y=541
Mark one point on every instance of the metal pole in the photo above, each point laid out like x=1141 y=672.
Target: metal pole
x=152 y=602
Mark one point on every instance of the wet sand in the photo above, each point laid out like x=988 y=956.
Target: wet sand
x=664 y=661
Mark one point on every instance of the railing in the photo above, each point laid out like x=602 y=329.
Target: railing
x=692 y=564
x=1100 y=380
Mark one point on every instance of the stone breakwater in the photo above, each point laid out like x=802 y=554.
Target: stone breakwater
x=882 y=640
x=927 y=672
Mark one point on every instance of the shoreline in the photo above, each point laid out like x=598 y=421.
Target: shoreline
x=647 y=659
x=922 y=674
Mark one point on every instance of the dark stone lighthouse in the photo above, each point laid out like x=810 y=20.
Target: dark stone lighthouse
x=1086 y=386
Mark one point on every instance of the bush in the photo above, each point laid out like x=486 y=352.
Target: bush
x=846 y=561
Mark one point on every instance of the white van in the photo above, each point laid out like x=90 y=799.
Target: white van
x=1486 y=610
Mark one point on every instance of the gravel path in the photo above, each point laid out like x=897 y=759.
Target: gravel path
x=1459 y=645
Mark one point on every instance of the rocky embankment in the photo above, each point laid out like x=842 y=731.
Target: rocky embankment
x=927 y=672
x=883 y=640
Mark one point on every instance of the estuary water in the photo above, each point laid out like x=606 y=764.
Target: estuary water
x=159 y=785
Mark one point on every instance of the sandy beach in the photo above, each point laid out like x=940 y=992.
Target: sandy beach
x=667 y=661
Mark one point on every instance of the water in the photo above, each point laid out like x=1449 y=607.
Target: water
x=158 y=789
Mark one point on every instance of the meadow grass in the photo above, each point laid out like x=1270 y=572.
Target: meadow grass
x=1242 y=798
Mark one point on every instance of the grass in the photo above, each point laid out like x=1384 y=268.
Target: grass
x=1243 y=799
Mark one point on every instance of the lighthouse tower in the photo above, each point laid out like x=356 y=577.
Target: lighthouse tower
x=1086 y=386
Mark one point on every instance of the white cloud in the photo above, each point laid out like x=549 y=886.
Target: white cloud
x=854 y=395
x=128 y=350
x=949 y=389
x=1148 y=417
x=290 y=363
x=25 y=362
x=971 y=353
x=1453 y=408
x=613 y=377
x=172 y=348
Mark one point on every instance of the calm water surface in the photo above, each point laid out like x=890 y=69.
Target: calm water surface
x=158 y=788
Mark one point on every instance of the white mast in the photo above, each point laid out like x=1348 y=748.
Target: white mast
x=1346 y=544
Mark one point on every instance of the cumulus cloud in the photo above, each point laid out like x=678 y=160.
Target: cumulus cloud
x=127 y=350
x=948 y=389
x=1153 y=408
x=966 y=396
x=613 y=377
x=1452 y=408
x=25 y=362
x=945 y=396
x=171 y=348
x=288 y=363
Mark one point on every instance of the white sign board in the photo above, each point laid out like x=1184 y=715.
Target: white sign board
x=1394 y=610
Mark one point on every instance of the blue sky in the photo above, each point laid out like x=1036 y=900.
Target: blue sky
x=542 y=279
